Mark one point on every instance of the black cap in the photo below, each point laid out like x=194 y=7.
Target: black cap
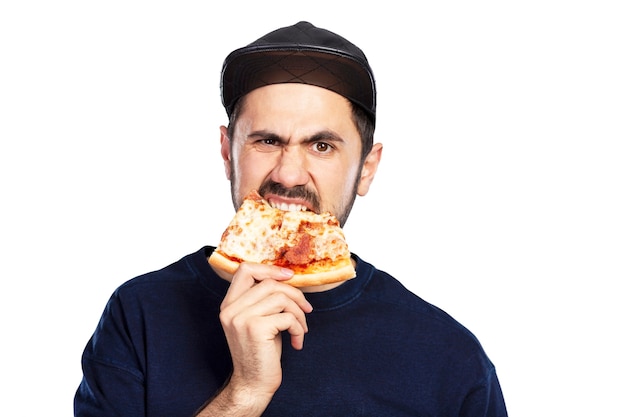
x=303 y=54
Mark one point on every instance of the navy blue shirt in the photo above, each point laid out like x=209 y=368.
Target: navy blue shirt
x=373 y=349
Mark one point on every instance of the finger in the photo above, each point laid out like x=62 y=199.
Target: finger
x=247 y=295
x=267 y=298
x=275 y=303
x=254 y=334
x=270 y=287
x=270 y=297
x=286 y=322
x=248 y=274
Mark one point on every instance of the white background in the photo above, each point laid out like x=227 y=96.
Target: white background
x=500 y=198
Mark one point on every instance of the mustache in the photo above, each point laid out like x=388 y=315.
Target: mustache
x=299 y=191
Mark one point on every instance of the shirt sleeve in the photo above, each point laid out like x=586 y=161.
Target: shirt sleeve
x=113 y=382
x=486 y=400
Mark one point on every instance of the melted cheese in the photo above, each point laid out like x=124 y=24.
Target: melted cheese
x=260 y=233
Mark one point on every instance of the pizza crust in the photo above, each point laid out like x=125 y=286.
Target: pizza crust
x=337 y=274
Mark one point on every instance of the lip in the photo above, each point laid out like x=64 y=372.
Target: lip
x=287 y=204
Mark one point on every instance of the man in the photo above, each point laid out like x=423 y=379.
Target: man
x=187 y=340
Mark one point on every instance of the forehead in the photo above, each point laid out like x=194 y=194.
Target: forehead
x=292 y=106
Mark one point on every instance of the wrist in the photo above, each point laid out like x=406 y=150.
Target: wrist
x=236 y=401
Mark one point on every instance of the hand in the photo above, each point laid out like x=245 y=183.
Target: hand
x=256 y=309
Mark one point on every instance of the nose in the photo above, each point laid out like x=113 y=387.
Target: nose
x=291 y=168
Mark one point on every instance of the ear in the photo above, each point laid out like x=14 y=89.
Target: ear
x=369 y=169
x=225 y=150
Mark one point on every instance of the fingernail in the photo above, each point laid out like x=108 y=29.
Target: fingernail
x=286 y=272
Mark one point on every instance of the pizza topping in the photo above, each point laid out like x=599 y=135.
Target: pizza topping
x=300 y=253
x=270 y=234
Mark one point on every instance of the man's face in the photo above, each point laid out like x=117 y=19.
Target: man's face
x=298 y=145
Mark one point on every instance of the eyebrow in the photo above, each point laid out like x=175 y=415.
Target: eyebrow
x=321 y=136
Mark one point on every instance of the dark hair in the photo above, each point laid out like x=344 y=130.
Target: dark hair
x=364 y=125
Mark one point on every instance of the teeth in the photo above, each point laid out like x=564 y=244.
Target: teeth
x=288 y=207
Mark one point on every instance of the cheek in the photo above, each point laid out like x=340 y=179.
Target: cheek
x=250 y=171
x=350 y=175
x=338 y=183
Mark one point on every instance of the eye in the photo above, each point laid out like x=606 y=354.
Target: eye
x=322 y=147
x=266 y=144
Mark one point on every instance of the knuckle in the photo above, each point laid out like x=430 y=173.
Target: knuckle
x=244 y=267
x=225 y=317
x=238 y=321
x=268 y=284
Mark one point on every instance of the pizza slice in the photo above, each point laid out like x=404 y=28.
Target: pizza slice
x=312 y=245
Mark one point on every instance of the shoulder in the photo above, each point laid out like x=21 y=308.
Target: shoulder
x=420 y=318
x=158 y=296
x=178 y=274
